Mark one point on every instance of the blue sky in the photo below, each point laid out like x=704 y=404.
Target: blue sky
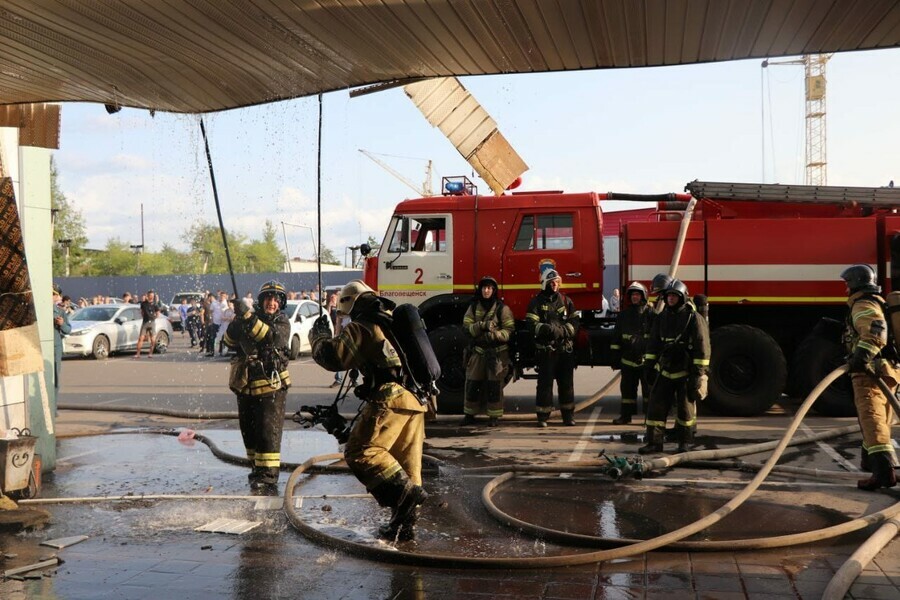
x=637 y=130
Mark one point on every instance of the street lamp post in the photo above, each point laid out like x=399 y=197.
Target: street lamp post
x=65 y=246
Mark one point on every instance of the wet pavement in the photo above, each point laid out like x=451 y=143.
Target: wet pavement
x=141 y=547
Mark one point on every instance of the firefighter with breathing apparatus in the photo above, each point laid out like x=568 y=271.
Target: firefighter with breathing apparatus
x=554 y=322
x=871 y=356
x=384 y=449
x=678 y=354
x=259 y=376
x=490 y=324
x=630 y=337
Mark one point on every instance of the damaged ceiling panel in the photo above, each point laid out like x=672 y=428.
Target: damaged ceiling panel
x=210 y=55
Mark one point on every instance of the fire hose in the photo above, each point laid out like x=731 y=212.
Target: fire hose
x=630 y=548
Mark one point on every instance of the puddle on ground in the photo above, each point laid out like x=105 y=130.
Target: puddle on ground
x=633 y=510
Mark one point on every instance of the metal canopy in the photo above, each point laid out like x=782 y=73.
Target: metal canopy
x=207 y=55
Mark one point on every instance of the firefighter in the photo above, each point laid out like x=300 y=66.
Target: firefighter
x=490 y=324
x=678 y=353
x=870 y=356
x=384 y=449
x=261 y=335
x=660 y=282
x=553 y=321
x=629 y=342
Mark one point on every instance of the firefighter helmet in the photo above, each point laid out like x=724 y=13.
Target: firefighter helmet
x=487 y=280
x=861 y=278
x=636 y=287
x=548 y=276
x=660 y=283
x=678 y=288
x=275 y=288
x=349 y=294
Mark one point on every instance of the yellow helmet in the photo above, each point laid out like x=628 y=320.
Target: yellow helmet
x=349 y=294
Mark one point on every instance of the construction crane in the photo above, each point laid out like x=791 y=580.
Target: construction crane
x=423 y=190
x=816 y=142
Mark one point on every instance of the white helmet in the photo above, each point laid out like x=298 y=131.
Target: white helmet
x=349 y=294
x=548 y=276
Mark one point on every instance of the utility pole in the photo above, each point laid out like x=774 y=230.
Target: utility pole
x=423 y=190
x=816 y=139
x=206 y=254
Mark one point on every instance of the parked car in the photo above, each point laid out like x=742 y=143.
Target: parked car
x=102 y=329
x=301 y=314
x=174 y=314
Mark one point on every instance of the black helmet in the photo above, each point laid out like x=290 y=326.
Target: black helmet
x=678 y=288
x=275 y=288
x=861 y=278
x=660 y=283
x=636 y=286
x=487 y=280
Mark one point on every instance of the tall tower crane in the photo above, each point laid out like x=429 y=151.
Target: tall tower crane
x=816 y=141
x=423 y=190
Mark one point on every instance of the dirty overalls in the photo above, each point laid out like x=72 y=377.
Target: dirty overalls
x=551 y=316
x=385 y=445
x=678 y=350
x=260 y=378
x=490 y=328
x=630 y=337
x=867 y=331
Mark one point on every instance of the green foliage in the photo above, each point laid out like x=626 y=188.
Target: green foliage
x=328 y=257
x=68 y=225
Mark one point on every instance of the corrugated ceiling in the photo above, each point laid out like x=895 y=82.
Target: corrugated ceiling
x=207 y=55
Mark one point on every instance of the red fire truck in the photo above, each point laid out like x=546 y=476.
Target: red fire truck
x=768 y=257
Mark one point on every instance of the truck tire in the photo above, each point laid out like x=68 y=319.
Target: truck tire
x=747 y=371
x=815 y=358
x=448 y=343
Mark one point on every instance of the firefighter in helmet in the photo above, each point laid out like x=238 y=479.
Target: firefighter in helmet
x=658 y=285
x=678 y=352
x=553 y=322
x=629 y=342
x=490 y=324
x=384 y=449
x=261 y=337
x=870 y=356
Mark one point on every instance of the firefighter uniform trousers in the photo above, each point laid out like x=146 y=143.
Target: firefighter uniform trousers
x=628 y=386
x=665 y=393
x=559 y=366
x=262 y=420
x=874 y=412
x=486 y=373
x=387 y=438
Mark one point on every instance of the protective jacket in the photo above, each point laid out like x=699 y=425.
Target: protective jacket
x=553 y=321
x=386 y=441
x=490 y=327
x=631 y=333
x=679 y=343
x=262 y=342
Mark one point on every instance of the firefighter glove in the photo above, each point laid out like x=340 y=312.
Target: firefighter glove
x=859 y=360
x=477 y=328
x=698 y=386
x=244 y=307
x=558 y=332
x=570 y=331
x=321 y=326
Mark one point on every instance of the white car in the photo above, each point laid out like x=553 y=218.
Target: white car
x=102 y=329
x=302 y=314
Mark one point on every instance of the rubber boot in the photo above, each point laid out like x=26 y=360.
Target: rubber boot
x=468 y=420
x=653 y=446
x=542 y=419
x=882 y=473
x=568 y=416
x=493 y=421
x=864 y=464
x=625 y=418
x=406 y=498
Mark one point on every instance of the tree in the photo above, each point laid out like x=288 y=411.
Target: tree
x=327 y=256
x=265 y=255
x=117 y=259
x=68 y=225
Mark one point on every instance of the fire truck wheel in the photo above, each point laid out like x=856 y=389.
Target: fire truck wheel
x=448 y=343
x=816 y=357
x=747 y=371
